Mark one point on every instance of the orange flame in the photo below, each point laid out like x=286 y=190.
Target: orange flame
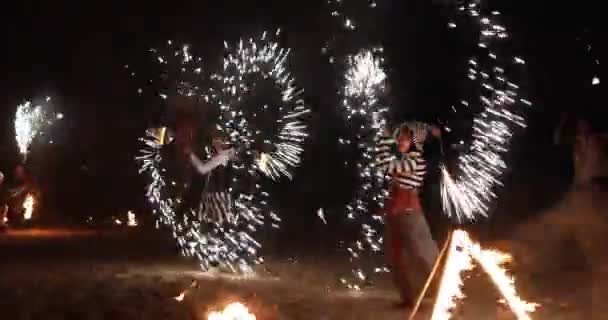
x=234 y=311
x=131 y=219
x=460 y=258
x=28 y=206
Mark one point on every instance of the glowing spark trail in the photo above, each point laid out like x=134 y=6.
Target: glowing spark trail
x=246 y=68
x=229 y=245
x=274 y=153
x=364 y=88
x=468 y=196
x=30 y=122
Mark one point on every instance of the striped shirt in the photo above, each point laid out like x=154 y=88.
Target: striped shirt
x=216 y=203
x=407 y=170
x=216 y=207
x=419 y=130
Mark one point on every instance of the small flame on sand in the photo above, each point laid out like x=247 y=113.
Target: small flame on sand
x=460 y=258
x=234 y=311
x=28 y=206
x=181 y=297
x=131 y=219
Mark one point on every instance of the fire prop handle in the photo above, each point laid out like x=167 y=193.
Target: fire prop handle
x=429 y=280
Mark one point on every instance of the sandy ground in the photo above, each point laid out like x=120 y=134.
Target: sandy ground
x=136 y=273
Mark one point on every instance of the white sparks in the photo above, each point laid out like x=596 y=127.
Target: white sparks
x=244 y=67
x=30 y=122
x=364 y=88
x=468 y=195
x=595 y=81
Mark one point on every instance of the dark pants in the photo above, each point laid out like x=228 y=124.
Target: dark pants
x=411 y=251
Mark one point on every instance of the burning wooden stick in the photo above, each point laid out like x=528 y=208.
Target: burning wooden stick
x=430 y=278
x=460 y=257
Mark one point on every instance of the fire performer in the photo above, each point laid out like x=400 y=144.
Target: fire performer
x=409 y=243
x=208 y=188
x=216 y=205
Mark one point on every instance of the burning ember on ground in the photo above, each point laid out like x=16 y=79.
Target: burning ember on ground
x=131 y=219
x=234 y=311
x=461 y=255
x=28 y=207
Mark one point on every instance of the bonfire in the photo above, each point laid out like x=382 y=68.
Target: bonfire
x=462 y=254
x=234 y=311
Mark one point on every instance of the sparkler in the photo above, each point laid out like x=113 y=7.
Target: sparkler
x=245 y=69
x=28 y=207
x=30 y=122
x=229 y=244
x=468 y=196
x=364 y=87
x=461 y=255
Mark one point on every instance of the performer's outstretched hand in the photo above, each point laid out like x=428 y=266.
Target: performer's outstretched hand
x=436 y=131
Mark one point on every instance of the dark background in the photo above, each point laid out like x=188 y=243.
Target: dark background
x=75 y=52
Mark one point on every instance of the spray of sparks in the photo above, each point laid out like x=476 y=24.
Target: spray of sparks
x=234 y=311
x=350 y=17
x=595 y=80
x=468 y=196
x=28 y=207
x=176 y=71
x=229 y=245
x=364 y=86
x=244 y=67
x=461 y=255
x=30 y=122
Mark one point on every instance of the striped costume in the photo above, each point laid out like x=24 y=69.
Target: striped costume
x=216 y=203
x=408 y=170
x=410 y=248
x=216 y=207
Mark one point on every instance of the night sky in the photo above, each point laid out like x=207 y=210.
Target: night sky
x=76 y=54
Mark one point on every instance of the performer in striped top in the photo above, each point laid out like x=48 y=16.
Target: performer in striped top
x=410 y=246
x=216 y=205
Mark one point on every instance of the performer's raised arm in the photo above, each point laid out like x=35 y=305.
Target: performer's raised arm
x=220 y=159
